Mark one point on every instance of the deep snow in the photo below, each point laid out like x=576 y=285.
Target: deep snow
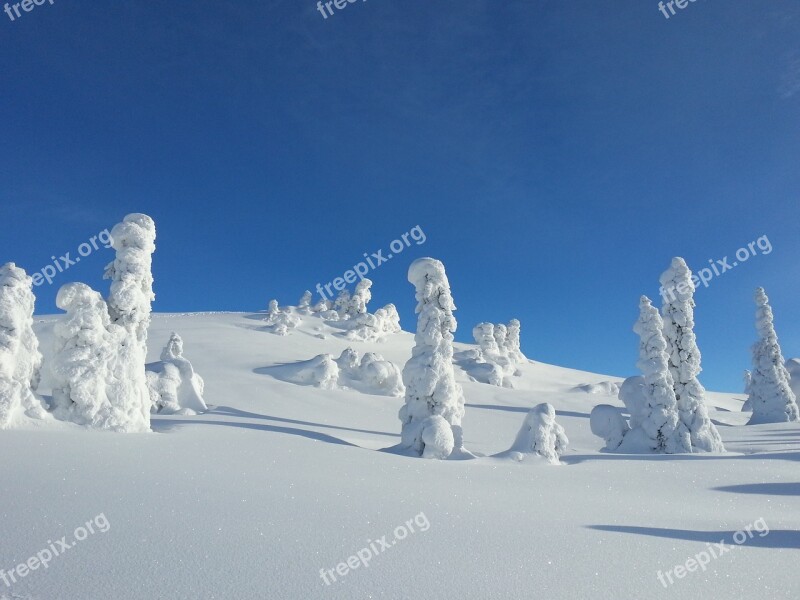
x=279 y=480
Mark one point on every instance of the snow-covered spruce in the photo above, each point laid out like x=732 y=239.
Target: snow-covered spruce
x=174 y=386
x=304 y=305
x=20 y=359
x=498 y=354
x=129 y=303
x=684 y=356
x=280 y=321
x=431 y=388
x=91 y=368
x=771 y=396
x=747 y=406
x=793 y=367
x=540 y=435
x=368 y=327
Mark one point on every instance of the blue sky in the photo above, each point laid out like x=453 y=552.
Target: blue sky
x=556 y=155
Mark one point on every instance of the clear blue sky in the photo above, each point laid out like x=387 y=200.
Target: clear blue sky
x=556 y=154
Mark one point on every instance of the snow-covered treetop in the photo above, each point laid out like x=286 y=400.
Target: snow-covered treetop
x=677 y=281
x=173 y=349
x=427 y=275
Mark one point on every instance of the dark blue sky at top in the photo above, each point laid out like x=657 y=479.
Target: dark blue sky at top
x=556 y=154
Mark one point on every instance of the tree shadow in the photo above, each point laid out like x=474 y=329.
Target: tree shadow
x=235 y=412
x=606 y=455
x=768 y=489
x=163 y=425
x=522 y=409
x=778 y=538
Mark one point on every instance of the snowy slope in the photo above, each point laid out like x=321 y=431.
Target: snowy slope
x=279 y=480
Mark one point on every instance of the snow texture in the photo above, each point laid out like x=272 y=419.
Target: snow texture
x=771 y=396
x=174 y=386
x=20 y=359
x=684 y=356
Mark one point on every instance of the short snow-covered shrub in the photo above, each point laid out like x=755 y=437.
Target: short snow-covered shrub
x=174 y=386
x=540 y=435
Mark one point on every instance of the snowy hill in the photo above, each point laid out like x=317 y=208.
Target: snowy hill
x=278 y=483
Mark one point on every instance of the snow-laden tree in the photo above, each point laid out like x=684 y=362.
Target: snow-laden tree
x=131 y=296
x=665 y=431
x=91 y=366
x=431 y=388
x=20 y=359
x=304 y=304
x=748 y=390
x=484 y=337
x=280 y=321
x=771 y=396
x=129 y=303
x=496 y=359
x=174 y=386
x=342 y=304
x=540 y=435
x=501 y=335
x=272 y=311
x=513 y=342
x=361 y=297
x=684 y=356
x=372 y=327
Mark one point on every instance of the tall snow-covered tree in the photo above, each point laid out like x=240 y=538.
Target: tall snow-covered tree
x=748 y=390
x=665 y=431
x=94 y=381
x=434 y=402
x=771 y=396
x=513 y=342
x=20 y=359
x=130 y=301
x=684 y=356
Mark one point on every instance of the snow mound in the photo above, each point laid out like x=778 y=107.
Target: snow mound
x=174 y=386
x=281 y=321
x=606 y=388
x=540 y=435
x=606 y=422
x=370 y=374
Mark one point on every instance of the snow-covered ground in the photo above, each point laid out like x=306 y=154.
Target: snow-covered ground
x=279 y=481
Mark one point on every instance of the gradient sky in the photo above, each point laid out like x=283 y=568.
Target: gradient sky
x=556 y=154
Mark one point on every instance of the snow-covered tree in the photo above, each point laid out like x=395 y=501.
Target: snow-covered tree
x=304 y=304
x=540 y=435
x=513 y=342
x=500 y=335
x=665 y=432
x=748 y=390
x=607 y=423
x=129 y=303
x=20 y=359
x=272 y=311
x=431 y=388
x=684 y=356
x=771 y=396
x=484 y=337
x=91 y=366
x=174 y=386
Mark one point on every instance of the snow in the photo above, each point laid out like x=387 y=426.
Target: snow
x=277 y=481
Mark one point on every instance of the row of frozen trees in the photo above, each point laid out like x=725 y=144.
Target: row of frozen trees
x=666 y=403
x=98 y=363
